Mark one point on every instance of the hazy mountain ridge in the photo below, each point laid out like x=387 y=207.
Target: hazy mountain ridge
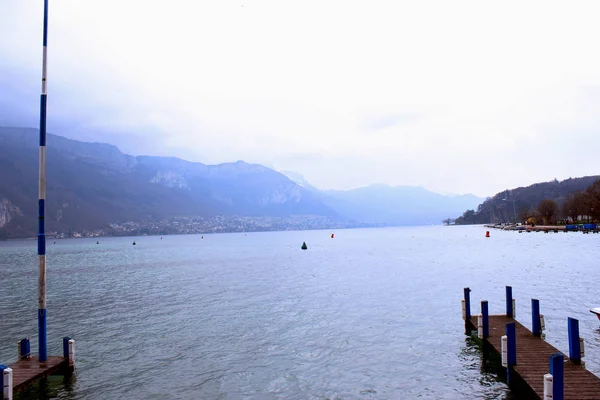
x=397 y=205
x=92 y=185
x=382 y=204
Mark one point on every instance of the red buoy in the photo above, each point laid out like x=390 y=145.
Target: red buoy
x=487 y=233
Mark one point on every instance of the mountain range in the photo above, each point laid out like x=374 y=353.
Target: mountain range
x=91 y=185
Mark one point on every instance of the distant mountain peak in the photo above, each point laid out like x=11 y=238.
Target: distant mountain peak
x=296 y=177
x=379 y=186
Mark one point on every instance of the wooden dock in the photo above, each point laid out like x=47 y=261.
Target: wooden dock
x=533 y=357
x=20 y=375
x=29 y=370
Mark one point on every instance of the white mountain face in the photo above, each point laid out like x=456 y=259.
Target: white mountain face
x=170 y=179
x=8 y=211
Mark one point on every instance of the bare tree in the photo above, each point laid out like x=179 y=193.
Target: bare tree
x=591 y=200
x=525 y=213
x=574 y=206
x=547 y=210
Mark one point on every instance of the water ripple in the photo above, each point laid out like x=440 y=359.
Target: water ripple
x=373 y=314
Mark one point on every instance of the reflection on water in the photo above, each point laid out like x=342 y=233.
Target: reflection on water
x=476 y=356
x=52 y=387
x=481 y=355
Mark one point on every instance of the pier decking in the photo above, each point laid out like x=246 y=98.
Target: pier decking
x=30 y=370
x=533 y=355
x=19 y=375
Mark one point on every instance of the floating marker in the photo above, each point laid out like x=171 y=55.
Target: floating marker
x=304 y=246
x=332 y=235
x=97 y=242
x=134 y=243
x=487 y=233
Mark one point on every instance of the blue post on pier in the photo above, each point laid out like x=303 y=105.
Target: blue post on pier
x=66 y=346
x=485 y=319
x=24 y=348
x=558 y=379
x=42 y=314
x=536 y=323
x=468 y=303
x=574 y=342
x=511 y=342
x=509 y=302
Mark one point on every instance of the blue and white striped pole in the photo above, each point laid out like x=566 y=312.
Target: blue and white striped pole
x=43 y=350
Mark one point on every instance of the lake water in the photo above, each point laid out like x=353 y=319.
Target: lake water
x=370 y=314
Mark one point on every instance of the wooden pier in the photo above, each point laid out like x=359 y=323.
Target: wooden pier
x=533 y=355
x=29 y=370
x=19 y=375
x=529 y=360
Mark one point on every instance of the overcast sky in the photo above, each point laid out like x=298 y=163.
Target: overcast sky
x=455 y=96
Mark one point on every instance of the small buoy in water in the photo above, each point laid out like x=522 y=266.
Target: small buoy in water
x=97 y=242
x=332 y=235
x=161 y=238
x=54 y=242
x=134 y=243
x=304 y=246
x=487 y=233
x=202 y=237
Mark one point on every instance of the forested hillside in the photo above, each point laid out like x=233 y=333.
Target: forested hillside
x=520 y=204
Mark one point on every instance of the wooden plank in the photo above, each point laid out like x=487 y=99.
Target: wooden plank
x=28 y=370
x=533 y=361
